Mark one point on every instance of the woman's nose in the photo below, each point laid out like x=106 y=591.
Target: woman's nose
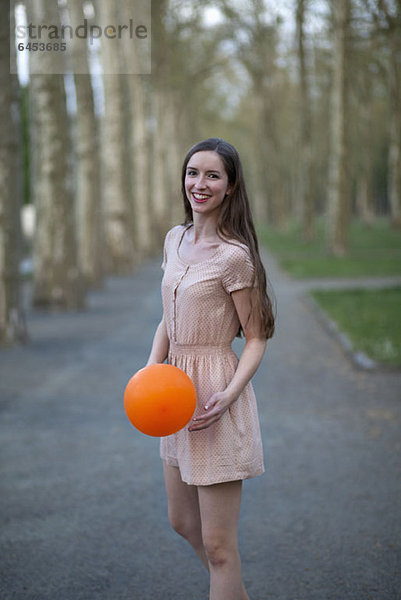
x=200 y=182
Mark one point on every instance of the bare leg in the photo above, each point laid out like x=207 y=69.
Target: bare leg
x=183 y=510
x=185 y=518
x=219 y=509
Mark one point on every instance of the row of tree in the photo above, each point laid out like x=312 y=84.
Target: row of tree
x=316 y=119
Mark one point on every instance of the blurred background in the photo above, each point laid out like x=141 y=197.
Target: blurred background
x=309 y=92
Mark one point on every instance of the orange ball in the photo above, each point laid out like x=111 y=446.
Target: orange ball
x=160 y=399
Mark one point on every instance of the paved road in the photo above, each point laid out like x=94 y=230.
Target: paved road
x=83 y=510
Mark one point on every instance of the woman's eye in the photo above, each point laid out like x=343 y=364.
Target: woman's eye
x=191 y=173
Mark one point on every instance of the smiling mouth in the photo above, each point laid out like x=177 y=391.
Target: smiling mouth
x=200 y=197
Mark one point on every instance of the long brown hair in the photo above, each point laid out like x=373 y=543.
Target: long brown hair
x=236 y=223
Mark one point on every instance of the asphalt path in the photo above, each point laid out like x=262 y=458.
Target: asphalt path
x=82 y=505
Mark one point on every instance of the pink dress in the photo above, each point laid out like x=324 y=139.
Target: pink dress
x=201 y=323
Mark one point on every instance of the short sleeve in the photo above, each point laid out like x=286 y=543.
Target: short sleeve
x=169 y=243
x=239 y=270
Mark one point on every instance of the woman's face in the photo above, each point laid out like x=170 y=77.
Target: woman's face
x=206 y=182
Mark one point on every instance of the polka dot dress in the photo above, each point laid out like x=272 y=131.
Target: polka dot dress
x=201 y=323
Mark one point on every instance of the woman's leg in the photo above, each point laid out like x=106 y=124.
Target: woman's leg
x=183 y=510
x=219 y=511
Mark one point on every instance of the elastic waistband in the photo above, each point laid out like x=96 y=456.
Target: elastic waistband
x=198 y=349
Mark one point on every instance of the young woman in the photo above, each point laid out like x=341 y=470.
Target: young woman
x=214 y=288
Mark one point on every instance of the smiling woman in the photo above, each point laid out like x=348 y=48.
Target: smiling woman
x=214 y=287
x=206 y=182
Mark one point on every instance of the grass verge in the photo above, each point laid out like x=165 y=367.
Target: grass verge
x=370 y=318
x=373 y=251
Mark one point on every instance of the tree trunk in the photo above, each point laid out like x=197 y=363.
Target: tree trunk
x=117 y=208
x=364 y=195
x=12 y=321
x=160 y=145
x=138 y=140
x=88 y=191
x=57 y=280
x=270 y=203
x=261 y=197
x=364 y=199
x=305 y=176
x=271 y=153
x=338 y=208
x=160 y=141
x=394 y=157
x=174 y=159
x=139 y=159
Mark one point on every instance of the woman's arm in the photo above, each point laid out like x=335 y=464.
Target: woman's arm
x=248 y=364
x=160 y=345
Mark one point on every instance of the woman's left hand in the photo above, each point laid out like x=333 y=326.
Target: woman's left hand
x=214 y=409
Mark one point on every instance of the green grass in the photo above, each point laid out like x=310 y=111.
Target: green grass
x=370 y=318
x=373 y=251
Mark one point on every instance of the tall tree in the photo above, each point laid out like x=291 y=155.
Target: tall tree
x=139 y=158
x=57 y=279
x=257 y=49
x=387 y=17
x=174 y=157
x=386 y=28
x=183 y=56
x=117 y=208
x=305 y=137
x=159 y=141
x=88 y=189
x=364 y=159
x=394 y=159
x=12 y=321
x=338 y=192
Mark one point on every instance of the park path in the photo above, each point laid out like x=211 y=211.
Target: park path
x=83 y=510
